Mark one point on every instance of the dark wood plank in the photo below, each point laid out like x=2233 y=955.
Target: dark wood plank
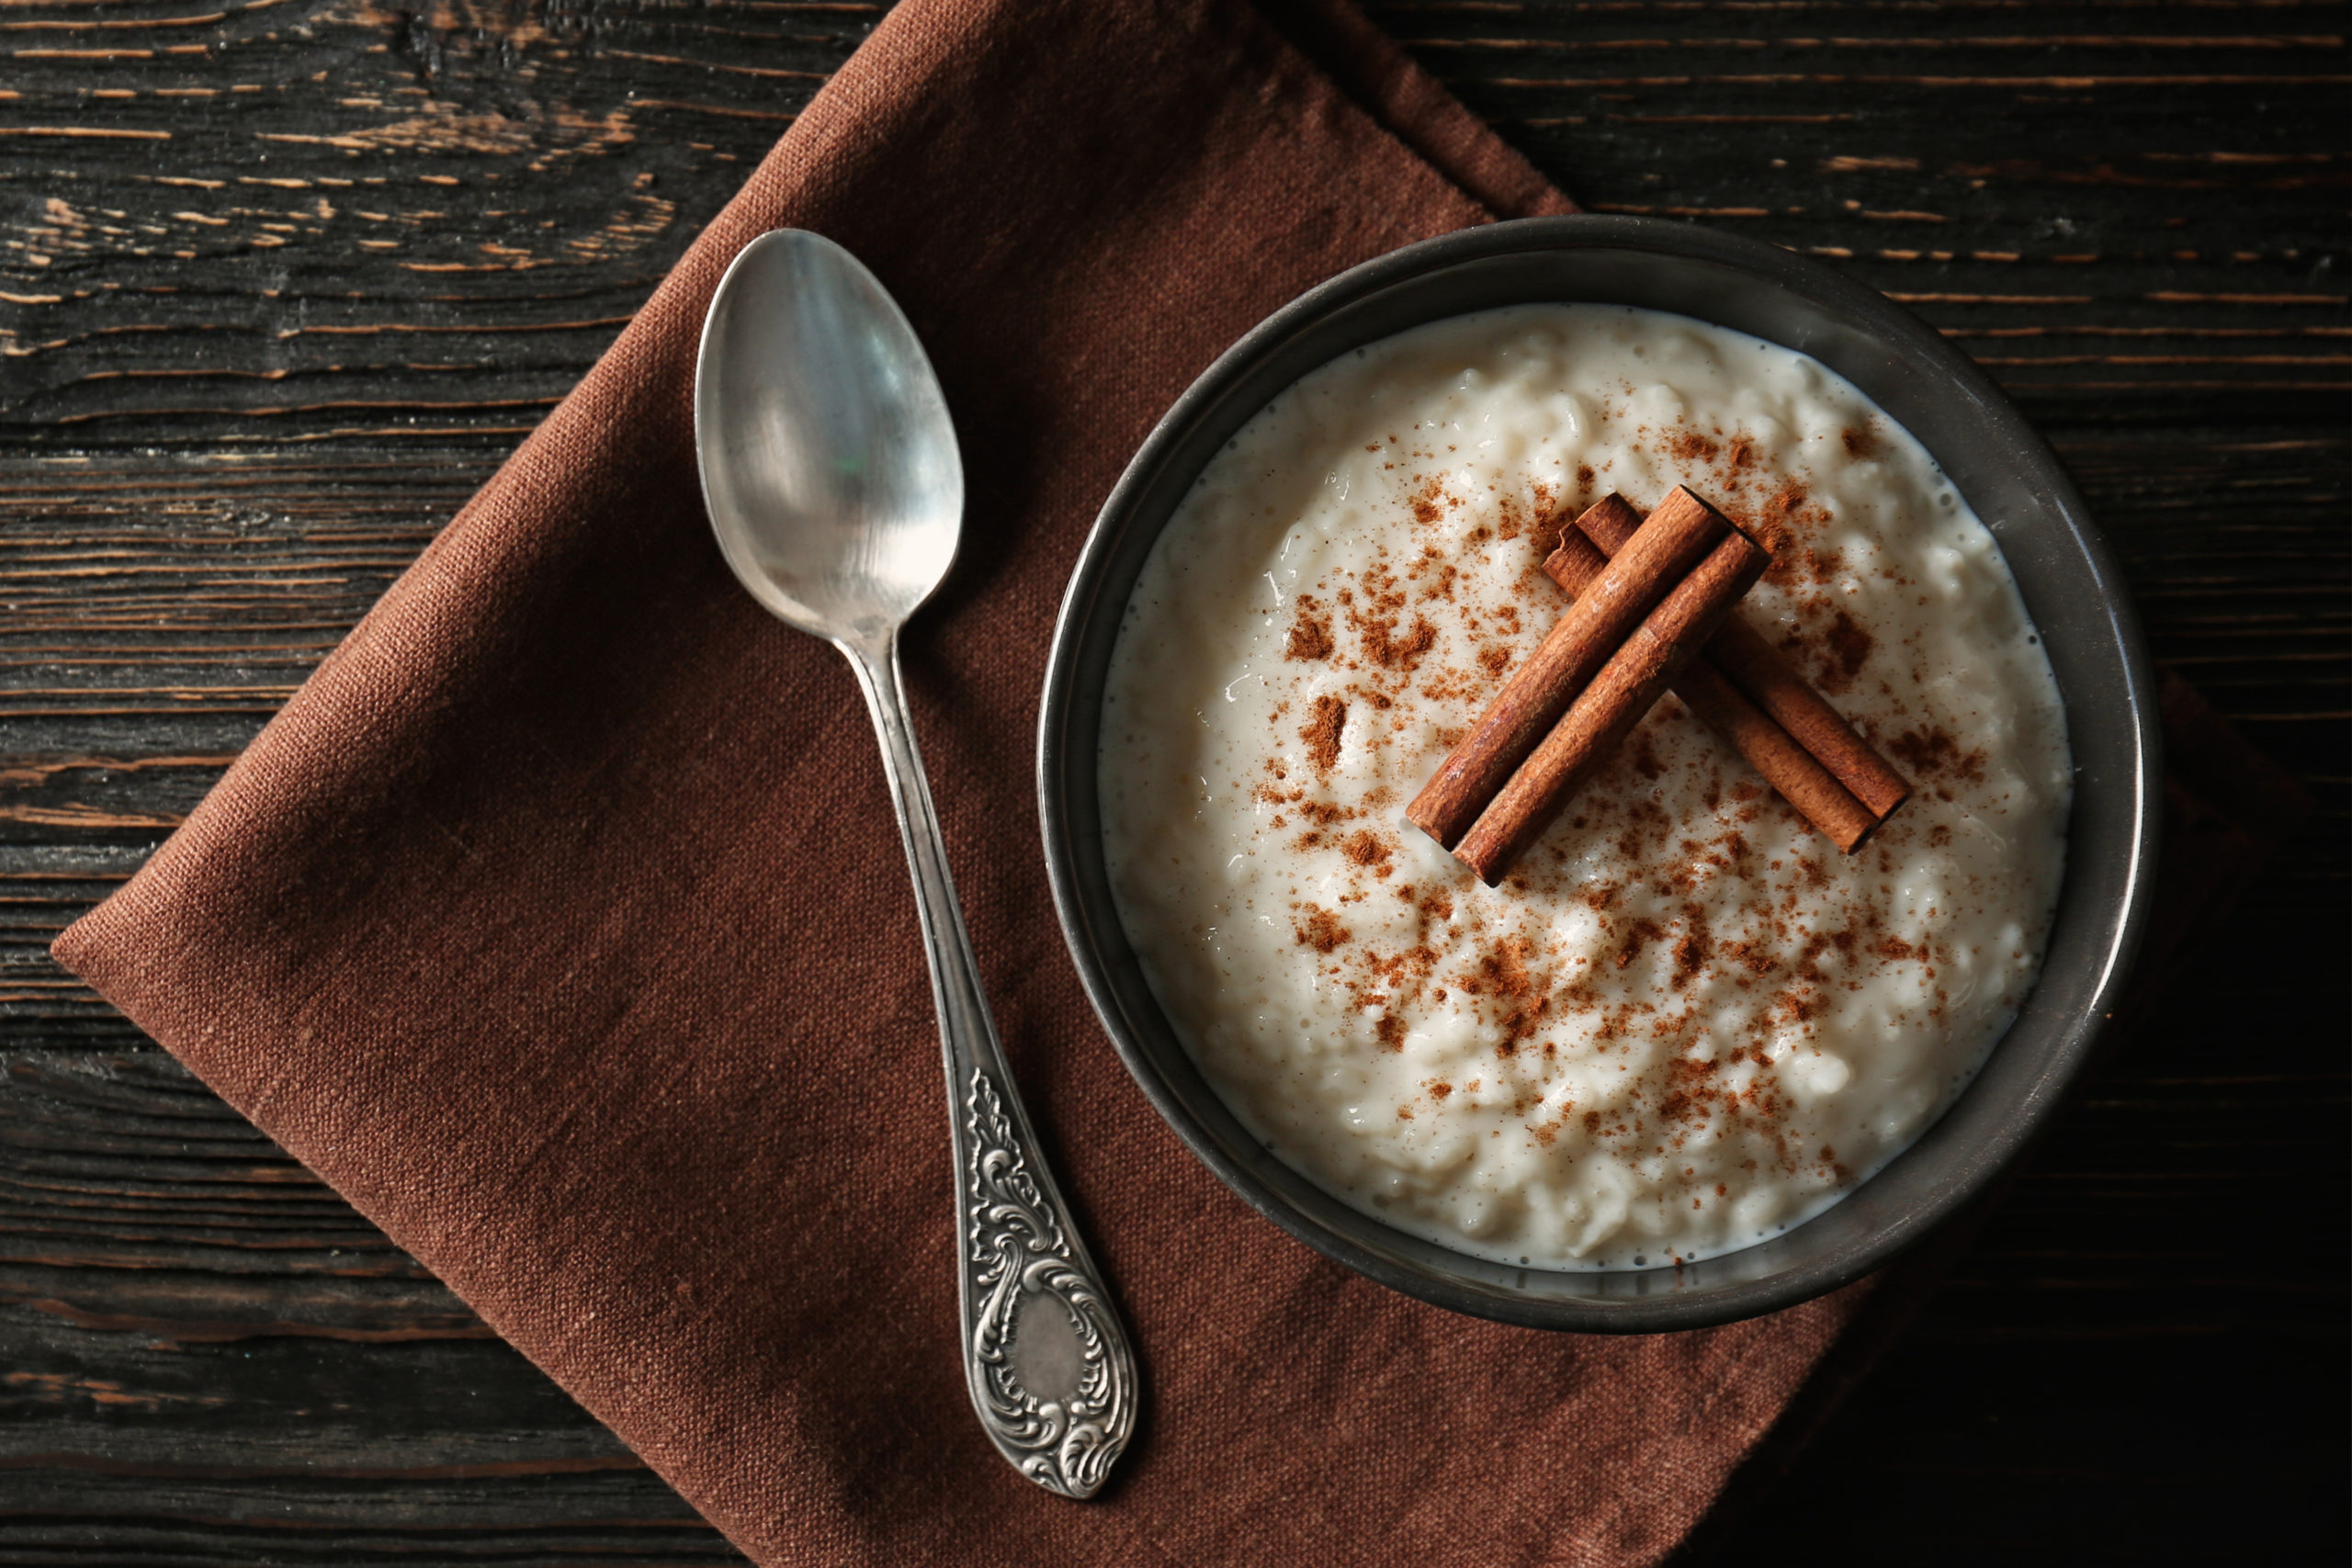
x=281 y=284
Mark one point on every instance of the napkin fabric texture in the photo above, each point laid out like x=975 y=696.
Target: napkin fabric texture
x=560 y=921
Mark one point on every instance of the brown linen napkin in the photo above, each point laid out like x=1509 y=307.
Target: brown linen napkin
x=559 y=920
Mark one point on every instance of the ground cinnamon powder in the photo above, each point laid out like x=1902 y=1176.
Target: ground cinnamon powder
x=1324 y=727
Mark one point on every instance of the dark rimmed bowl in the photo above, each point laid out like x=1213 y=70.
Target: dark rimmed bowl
x=2071 y=587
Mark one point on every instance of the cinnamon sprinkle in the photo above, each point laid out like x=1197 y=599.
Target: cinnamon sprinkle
x=1849 y=647
x=1310 y=632
x=1322 y=732
x=1322 y=930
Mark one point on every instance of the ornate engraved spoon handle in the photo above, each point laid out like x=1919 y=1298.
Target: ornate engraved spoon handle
x=1044 y=1353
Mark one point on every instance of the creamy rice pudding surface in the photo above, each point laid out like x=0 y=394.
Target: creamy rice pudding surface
x=1684 y=1022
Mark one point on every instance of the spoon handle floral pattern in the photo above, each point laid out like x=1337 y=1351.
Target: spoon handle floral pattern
x=1045 y=1356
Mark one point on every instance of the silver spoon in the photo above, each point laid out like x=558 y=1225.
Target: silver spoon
x=830 y=472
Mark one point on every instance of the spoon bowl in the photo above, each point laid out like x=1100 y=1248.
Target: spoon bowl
x=831 y=475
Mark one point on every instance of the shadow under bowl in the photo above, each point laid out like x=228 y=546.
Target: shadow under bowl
x=2071 y=587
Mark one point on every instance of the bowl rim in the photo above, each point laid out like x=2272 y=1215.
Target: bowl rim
x=1880 y=317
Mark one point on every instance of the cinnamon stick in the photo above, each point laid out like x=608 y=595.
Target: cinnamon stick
x=1757 y=667
x=1657 y=555
x=1635 y=676
x=1753 y=665
x=1719 y=704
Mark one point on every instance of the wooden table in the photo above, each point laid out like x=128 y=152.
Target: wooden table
x=281 y=281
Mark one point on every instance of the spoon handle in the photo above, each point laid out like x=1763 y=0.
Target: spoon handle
x=1045 y=1354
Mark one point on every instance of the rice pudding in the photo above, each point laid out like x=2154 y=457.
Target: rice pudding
x=1684 y=1021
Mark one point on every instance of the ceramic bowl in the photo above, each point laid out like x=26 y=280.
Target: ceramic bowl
x=2062 y=568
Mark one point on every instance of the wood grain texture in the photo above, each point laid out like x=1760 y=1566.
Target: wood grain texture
x=280 y=282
